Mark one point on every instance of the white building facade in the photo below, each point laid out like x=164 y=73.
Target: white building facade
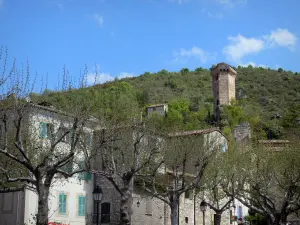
x=70 y=200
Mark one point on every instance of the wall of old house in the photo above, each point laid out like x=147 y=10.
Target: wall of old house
x=12 y=208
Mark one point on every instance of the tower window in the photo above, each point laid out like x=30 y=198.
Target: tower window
x=186 y=220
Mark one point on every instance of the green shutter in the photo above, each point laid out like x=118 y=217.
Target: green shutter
x=68 y=168
x=81 y=175
x=191 y=194
x=88 y=176
x=90 y=140
x=62 y=203
x=43 y=130
x=81 y=205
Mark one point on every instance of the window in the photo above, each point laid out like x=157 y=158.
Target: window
x=186 y=220
x=46 y=130
x=84 y=175
x=81 y=205
x=240 y=212
x=88 y=139
x=62 y=131
x=43 y=130
x=149 y=206
x=105 y=212
x=68 y=168
x=62 y=204
x=189 y=194
x=223 y=147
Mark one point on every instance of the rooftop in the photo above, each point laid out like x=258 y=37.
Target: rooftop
x=194 y=132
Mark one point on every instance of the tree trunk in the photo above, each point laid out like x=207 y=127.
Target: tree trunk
x=174 y=212
x=280 y=219
x=125 y=208
x=217 y=218
x=42 y=215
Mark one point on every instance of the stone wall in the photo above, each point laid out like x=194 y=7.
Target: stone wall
x=12 y=208
x=110 y=195
x=242 y=133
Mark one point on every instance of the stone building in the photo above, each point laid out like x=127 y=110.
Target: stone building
x=160 y=109
x=223 y=85
x=147 y=210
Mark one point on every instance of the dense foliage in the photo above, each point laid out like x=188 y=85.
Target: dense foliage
x=267 y=98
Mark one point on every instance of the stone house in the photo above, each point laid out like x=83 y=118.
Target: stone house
x=148 y=210
x=160 y=109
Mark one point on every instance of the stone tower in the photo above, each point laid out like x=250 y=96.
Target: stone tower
x=223 y=85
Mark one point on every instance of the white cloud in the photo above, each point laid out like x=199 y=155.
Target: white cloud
x=231 y=3
x=213 y=15
x=241 y=46
x=253 y=64
x=99 y=19
x=282 y=37
x=195 y=52
x=179 y=1
x=124 y=75
x=101 y=78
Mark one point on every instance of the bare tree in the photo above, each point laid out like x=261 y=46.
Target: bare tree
x=39 y=143
x=219 y=174
x=183 y=159
x=122 y=153
x=269 y=183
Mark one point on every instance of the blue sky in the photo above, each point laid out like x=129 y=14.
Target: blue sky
x=129 y=37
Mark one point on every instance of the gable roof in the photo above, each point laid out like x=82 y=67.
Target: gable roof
x=195 y=132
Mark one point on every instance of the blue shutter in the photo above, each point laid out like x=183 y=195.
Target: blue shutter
x=90 y=140
x=240 y=212
x=81 y=175
x=223 y=147
x=88 y=176
x=81 y=205
x=43 y=130
x=62 y=203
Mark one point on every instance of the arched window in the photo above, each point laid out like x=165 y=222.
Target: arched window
x=105 y=212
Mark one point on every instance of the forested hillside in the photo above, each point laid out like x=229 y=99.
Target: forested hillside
x=268 y=99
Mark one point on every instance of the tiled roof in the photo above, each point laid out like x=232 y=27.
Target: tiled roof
x=194 y=132
x=157 y=105
x=273 y=141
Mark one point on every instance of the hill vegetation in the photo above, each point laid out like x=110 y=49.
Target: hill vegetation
x=268 y=99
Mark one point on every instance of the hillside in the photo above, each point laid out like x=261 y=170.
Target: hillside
x=268 y=99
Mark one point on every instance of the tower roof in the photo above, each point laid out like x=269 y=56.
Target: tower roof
x=223 y=67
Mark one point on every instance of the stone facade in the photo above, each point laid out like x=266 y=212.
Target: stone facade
x=111 y=196
x=242 y=133
x=12 y=205
x=147 y=210
x=160 y=109
x=223 y=85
